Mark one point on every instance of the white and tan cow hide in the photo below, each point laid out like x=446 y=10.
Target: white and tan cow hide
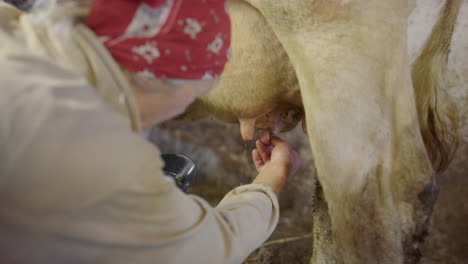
x=376 y=139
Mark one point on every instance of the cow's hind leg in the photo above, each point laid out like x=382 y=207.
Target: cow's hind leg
x=353 y=70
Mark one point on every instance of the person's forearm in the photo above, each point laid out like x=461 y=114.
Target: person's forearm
x=273 y=176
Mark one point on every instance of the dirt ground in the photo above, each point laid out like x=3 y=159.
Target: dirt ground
x=224 y=162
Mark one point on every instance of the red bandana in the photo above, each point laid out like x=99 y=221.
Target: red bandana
x=181 y=39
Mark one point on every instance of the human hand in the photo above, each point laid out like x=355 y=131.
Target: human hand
x=275 y=161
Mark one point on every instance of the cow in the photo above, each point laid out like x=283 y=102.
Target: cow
x=377 y=126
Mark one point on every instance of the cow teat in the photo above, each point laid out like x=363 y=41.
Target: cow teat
x=247 y=128
x=281 y=119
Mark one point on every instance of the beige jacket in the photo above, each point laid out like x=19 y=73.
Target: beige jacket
x=76 y=184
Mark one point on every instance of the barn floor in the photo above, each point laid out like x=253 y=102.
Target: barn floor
x=224 y=163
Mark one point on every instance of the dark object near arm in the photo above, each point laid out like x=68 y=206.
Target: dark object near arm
x=21 y=4
x=181 y=168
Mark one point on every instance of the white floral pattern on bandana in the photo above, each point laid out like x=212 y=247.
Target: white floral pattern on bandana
x=216 y=45
x=147 y=74
x=207 y=76
x=180 y=39
x=147 y=21
x=149 y=52
x=192 y=27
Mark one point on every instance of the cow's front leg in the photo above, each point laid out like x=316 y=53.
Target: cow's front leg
x=352 y=66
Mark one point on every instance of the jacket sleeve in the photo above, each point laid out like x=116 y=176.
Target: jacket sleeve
x=77 y=186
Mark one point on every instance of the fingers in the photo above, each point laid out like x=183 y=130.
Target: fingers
x=265 y=137
x=276 y=151
x=258 y=161
x=263 y=151
x=271 y=149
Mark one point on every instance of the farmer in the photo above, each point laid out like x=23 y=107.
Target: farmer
x=78 y=184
